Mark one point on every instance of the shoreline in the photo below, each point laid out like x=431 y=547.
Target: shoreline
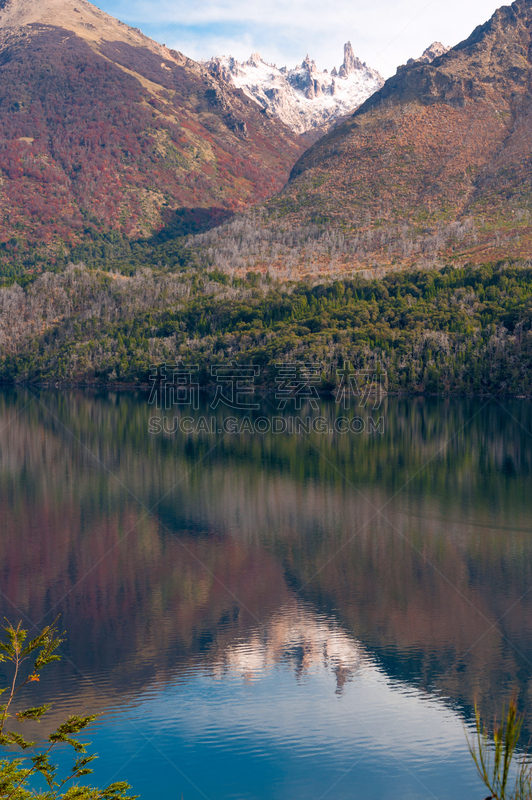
x=262 y=392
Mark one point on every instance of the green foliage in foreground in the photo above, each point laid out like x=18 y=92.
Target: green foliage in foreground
x=505 y=776
x=17 y=775
x=465 y=331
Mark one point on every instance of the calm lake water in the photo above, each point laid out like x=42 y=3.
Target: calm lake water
x=269 y=615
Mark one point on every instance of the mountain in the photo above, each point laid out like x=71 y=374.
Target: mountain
x=304 y=98
x=435 y=167
x=435 y=50
x=102 y=129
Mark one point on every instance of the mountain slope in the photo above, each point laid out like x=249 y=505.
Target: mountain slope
x=434 y=50
x=437 y=165
x=304 y=98
x=101 y=128
x=441 y=142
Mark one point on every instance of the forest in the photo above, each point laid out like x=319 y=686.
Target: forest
x=85 y=148
x=122 y=309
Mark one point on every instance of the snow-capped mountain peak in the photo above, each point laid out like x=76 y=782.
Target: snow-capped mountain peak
x=304 y=97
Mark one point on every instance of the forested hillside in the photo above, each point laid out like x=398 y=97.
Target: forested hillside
x=460 y=330
x=105 y=132
x=112 y=147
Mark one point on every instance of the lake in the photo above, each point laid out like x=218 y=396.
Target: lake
x=269 y=608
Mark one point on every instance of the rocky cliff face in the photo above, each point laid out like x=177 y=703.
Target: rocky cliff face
x=103 y=129
x=434 y=167
x=304 y=98
x=435 y=50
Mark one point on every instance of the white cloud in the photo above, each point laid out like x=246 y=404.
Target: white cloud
x=383 y=33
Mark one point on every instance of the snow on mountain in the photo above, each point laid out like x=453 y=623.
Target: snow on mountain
x=304 y=98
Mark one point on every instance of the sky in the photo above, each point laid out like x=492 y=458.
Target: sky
x=384 y=33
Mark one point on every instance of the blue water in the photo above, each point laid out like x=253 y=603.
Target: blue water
x=274 y=616
x=272 y=735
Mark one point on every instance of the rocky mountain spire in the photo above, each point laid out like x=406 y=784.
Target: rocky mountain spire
x=351 y=62
x=301 y=97
x=446 y=141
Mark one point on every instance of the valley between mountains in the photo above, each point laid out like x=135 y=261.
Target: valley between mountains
x=154 y=208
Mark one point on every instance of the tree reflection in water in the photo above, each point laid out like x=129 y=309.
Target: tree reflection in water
x=411 y=548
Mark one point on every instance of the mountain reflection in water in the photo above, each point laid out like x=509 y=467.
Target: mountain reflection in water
x=316 y=591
